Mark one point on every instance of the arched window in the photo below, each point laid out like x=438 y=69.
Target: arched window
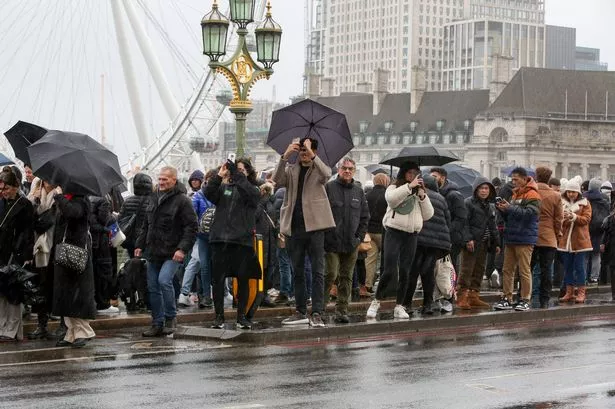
x=498 y=135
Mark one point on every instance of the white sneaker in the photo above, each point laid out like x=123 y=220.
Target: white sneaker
x=110 y=310
x=446 y=306
x=185 y=301
x=400 y=312
x=372 y=311
x=495 y=279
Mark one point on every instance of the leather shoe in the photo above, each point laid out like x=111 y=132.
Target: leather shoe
x=79 y=343
x=63 y=343
x=38 y=333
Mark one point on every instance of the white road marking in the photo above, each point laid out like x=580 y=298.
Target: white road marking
x=249 y=406
x=543 y=371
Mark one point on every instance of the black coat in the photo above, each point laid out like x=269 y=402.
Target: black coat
x=608 y=239
x=170 y=225
x=265 y=215
x=435 y=233
x=351 y=215
x=236 y=203
x=16 y=231
x=457 y=208
x=377 y=208
x=481 y=215
x=136 y=205
x=600 y=211
x=100 y=218
x=73 y=292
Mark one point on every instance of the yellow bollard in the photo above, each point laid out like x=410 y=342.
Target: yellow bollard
x=256 y=286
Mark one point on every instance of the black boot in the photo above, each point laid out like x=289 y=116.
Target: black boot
x=169 y=326
x=154 y=331
x=39 y=333
x=60 y=332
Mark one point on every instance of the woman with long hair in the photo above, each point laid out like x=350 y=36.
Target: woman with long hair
x=575 y=243
x=408 y=207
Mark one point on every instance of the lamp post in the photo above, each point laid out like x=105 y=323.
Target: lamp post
x=241 y=71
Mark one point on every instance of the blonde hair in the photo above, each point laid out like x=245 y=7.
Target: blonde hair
x=382 y=180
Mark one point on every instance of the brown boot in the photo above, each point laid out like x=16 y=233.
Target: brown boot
x=463 y=302
x=475 y=301
x=569 y=296
x=580 y=295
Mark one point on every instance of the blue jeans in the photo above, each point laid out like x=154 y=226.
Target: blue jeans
x=189 y=273
x=574 y=268
x=202 y=265
x=161 y=292
x=286 y=272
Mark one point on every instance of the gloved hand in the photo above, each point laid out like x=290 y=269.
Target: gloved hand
x=230 y=165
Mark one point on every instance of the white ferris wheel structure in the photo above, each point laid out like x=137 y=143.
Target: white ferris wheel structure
x=172 y=102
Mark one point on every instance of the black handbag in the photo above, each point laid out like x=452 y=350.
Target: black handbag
x=71 y=256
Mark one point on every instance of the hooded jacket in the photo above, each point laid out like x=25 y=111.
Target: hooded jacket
x=600 y=211
x=170 y=225
x=457 y=208
x=351 y=216
x=575 y=238
x=481 y=216
x=136 y=205
x=435 y=233
x=411 y=222
x=377 y=208
x=196 y=175
x=521 y=217
x=550 y=219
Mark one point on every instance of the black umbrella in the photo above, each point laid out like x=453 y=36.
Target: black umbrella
x=377 y=168
x=422 y=155
x=75 y=162
x=4 y=160
x=22 y=135
x=463 y=177
x=309 y=118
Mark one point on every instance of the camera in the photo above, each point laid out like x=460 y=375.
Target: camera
x=231 y=157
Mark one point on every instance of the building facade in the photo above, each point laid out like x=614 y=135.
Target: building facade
x=470 y=45
x=588 y=59
x=561 y=43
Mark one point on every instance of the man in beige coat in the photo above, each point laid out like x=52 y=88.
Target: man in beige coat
x=549 y=232
x=304 y=217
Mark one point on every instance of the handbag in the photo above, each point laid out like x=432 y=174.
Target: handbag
x=366 y=244
x=117 y=235
x=71 y=256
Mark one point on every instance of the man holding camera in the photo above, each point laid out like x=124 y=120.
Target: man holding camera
x=304 y=217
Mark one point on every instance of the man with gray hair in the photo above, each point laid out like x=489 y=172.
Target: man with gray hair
x=168 y=234
x=351 y=215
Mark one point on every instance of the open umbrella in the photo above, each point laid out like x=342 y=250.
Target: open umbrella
x=4 y=160
x=508 y=171
x=75 y=162
x=311 y=119
x=377 y=168
x=463 y=177
x=422 y=155
x=22 y=135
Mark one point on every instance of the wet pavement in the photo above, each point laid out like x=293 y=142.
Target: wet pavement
x=568 y=365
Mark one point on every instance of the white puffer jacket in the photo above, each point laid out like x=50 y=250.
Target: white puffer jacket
x=412 y=222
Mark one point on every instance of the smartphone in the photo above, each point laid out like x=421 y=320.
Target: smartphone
x=296 y=140
x=231 y=157
x=498 y=199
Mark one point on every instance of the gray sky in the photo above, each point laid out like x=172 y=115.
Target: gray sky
x=53 y=53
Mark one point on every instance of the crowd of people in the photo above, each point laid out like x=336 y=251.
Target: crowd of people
x=324 y=238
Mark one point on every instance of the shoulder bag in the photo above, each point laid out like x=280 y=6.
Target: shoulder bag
x=71 y=256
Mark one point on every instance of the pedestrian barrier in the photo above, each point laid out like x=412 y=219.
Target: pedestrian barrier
x=256 y=286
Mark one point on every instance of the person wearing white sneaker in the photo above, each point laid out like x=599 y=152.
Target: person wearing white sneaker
x=399 y=312
x=110 y=310
x=185 y=301
x=407 y=208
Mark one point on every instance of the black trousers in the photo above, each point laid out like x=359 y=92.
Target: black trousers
x=231 y=260
x=399 y=252
x=544 y=257
x=424 y=264
x=299 y=245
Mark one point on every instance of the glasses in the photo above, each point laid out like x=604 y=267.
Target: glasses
x=348 y=168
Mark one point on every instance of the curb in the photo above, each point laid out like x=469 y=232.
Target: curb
x=360 y=330
x=202 y=316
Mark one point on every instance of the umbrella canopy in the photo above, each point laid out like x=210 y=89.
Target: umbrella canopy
x=75 y=162
x=463 y=177
x=422 y=155
x=311 y=119
x=508 y=171
x=22 y=135
x=4 y=160
x=377 y=168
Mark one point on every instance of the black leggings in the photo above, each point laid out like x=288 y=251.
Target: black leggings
x=399 y=250
x=424 y=264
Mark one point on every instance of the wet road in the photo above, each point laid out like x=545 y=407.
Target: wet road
x=568 y=366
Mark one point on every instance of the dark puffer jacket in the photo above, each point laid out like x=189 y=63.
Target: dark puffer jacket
x=436 y=231
x=457 y=209
x=377 y=208
x=351 y=215
x=136 y=205
x=600 y=211
x=481 y=216
x=170 y=225
x=100 y=218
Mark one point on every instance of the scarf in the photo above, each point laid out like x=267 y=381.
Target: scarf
x=44 y=242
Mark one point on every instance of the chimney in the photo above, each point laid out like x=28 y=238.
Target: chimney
x=501 y=73
x=328 y=87
x=364 y=87
x=419 y=86
x=381 y=85
x=313 y=85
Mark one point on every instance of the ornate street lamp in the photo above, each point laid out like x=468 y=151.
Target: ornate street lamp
x=241 y=71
